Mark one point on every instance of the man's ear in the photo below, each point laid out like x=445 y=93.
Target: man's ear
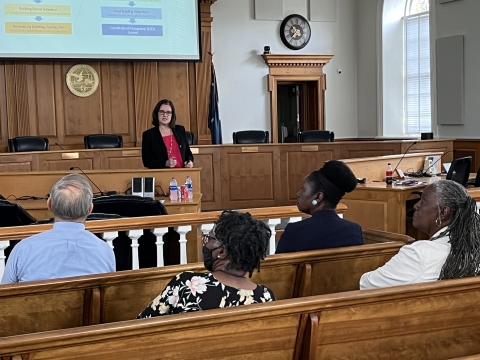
x=49 y=204
x=90 y=209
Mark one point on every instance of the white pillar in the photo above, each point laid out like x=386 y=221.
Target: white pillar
x=159 y=232
x=271 y=224
x=3 y=245
x=182 y=231
x=134 y=235
x=109 y=237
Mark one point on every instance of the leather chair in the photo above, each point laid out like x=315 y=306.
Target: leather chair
x=316 y=136
x=460 y=170
x=103 y=141
x=190 y=137
x=28 y=143
x=128 y=206
x=475 y=183
x=251 y=137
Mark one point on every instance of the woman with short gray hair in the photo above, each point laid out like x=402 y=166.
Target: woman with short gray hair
x=449 y=216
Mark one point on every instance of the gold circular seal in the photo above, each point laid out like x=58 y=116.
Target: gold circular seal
x=82 y=80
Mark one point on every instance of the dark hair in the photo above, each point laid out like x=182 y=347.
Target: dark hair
x=463 y=230
x=155 y=120
x=339 y=175
x=245 y=238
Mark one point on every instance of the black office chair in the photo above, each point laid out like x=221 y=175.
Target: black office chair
x=251 y=137
x=316 y=136
x=103 y=141
x=190 y=137
x=135 y=206
x=475 y=183
x=460 y=170
x=28 y=143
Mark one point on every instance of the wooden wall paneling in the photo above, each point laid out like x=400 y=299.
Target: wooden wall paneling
x=352 y=150
x=430 y=146
x=123 y=159
x=117 y=100
x=59 y=94
x=3 y=110
x=59 y=160
x=11 y=99
x=208 y=158
x=468 y=147
x=42 y=100
x=250 y=176
x=173 y=84
x=18 y=162
x=297 y=161
x=146 y=95
x=83 y=116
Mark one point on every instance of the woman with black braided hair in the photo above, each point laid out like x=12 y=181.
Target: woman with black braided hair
x=449 y=216
x=321 y=192
x=232 y=249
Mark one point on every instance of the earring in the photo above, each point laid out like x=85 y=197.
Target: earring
x=218 y=256
x=314 y=202
x=438 y=222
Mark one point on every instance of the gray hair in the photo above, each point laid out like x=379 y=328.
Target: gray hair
x=463 y=230
x=71 y=197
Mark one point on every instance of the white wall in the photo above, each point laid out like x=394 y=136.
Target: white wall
x=462 y=18
x=238 y=41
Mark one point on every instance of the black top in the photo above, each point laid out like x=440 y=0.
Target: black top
x=191 y=291
x=324 y=229
x=154 y=151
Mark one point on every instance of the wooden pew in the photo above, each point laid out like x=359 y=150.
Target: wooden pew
x=85 y=300
x=437 y=320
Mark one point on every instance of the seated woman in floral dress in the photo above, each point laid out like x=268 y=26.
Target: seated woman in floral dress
x=233 y=248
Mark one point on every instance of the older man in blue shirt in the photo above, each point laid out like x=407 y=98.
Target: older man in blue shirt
x=67 y=249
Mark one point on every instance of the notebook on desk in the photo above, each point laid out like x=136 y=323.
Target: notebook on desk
x=446 y=166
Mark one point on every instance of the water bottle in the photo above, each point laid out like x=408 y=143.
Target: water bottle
x=173 y=190
x=189 y=185
x=389 y=174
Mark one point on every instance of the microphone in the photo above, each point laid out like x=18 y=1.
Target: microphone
x=441 y=157
x=76 y=167
x=60 y=147
x=405 y=153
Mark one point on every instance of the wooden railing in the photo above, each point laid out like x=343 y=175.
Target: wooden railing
x=158 y=225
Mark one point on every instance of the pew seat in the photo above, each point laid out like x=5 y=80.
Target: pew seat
x=104 y=298
x=435 y=321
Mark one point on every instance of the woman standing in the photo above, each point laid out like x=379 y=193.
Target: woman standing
x=165 y=145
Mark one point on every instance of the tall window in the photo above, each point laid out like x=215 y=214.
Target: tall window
x=417 y=68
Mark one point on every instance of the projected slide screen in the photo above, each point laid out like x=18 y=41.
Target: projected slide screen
x=100 y=29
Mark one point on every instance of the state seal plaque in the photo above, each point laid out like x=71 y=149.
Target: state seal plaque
x=82 y=80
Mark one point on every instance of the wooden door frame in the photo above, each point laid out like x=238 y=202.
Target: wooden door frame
x=294 y=68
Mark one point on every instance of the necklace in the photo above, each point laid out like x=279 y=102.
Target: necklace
x=171 y=146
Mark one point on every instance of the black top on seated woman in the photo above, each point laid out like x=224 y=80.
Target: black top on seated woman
x=233 y=248
x=165 y=145
x=321 y=192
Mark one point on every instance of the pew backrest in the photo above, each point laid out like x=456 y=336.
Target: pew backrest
x=437 y=320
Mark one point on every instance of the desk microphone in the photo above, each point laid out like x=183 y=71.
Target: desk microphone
x=60 y=146
x=76 y=167
x=405 y=153
x=441 y=157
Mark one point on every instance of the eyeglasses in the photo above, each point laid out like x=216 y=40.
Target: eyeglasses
x=161 y=112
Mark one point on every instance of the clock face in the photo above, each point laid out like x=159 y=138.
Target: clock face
x=295 y=32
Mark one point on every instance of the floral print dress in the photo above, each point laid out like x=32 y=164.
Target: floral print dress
x=191 y=291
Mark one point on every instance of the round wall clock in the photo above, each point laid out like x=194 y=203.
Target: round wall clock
x=295 y=32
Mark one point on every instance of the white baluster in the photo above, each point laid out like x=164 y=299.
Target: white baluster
x=340 y=216
x=109 y=237
x=295 y=219
x=134 y=235
x=182 y=231
x=3 y=245
x=206 y=228
x=159 y=232
x=271 y=224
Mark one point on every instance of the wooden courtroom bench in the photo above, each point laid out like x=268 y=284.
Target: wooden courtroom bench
x=85 y=300
x=436 y=320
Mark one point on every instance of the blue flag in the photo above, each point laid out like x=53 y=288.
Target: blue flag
x=213 y=114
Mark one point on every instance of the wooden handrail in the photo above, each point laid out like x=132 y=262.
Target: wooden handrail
x=151 y=222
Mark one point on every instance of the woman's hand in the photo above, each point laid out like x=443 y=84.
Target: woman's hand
x=171 y=163
x=188 y=164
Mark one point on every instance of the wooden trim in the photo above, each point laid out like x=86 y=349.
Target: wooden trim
x=303 y=280
x=91 y=312
x=310 y=338
x=302 y=324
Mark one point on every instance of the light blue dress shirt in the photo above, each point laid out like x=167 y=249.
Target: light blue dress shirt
x=66 y=250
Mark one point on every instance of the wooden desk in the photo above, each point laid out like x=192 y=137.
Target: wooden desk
x=40 y=183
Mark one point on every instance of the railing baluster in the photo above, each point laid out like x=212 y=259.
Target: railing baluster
x=3 y=245
x=206 y=228
x=271 y=224
x=109 y=237
x=182 y=231
x=134 y=235
x=294 y=219
x=159 y=232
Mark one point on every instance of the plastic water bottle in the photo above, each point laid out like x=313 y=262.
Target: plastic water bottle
x=189 y=185
x=389 y=175
x=173 y=190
